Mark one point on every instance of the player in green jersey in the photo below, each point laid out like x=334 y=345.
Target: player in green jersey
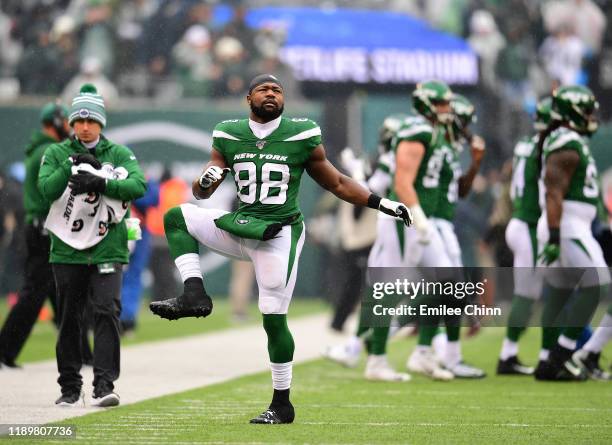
x=522 y=240
x=415 y=183
x=267 y=155
x=454 y=184
x=571 y=193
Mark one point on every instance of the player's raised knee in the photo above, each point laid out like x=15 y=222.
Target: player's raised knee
x=173 y=218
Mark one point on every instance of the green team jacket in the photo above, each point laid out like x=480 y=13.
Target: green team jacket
x=35 y=205
x=53 y=180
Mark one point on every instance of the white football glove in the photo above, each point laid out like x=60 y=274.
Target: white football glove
x=352 y=164
x=396 y=209
x=421 y=224
x=211 y=175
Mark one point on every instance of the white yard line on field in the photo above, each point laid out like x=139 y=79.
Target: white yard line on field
x=157 y=369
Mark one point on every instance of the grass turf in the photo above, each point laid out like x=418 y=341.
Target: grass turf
x=335 y=405
x=41 y=343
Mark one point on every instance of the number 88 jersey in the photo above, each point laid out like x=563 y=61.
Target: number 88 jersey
x=267 y=171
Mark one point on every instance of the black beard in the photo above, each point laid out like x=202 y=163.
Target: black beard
x=266 y=115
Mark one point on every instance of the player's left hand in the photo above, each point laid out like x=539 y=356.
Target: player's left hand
x=396 y=209
x=85 y=182
x=549 y=254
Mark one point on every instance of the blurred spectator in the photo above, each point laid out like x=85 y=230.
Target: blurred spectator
x=586 y=18
x=39 y=65
x=10 y=49
x=230 y=55
x=239 y=30
x=91 y=72
x=66 y=47
x=95 y=34
x=193 y=61
x=513 y=64
x=486 y=40
x=562 y=54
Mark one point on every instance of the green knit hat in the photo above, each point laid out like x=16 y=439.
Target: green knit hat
x=88 y=104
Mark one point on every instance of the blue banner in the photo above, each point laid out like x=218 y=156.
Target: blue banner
x=360 y=46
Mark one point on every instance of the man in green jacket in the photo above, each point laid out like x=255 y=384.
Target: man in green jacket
x=93 y=273
x=38 y=279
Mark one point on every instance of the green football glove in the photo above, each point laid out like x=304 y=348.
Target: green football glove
x=552 y=249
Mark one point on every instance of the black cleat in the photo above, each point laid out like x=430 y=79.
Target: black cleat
x=589 y=362
x=512 y=366
x=275 y=416
x=564 y=372
x=175 y=308
x=194 y=302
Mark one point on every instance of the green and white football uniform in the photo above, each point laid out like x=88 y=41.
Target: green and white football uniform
x=578 y=246
x=267 y=172
x=396 y=245
x=448 y=194
x=521 y=231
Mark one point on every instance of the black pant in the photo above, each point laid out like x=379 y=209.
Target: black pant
x=37 y=286
x=76 y=284
x=352 y=278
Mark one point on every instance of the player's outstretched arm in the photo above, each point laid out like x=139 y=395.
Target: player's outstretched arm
x=349 y=190
x=212 y=176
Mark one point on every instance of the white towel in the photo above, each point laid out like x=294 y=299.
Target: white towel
x=82 y=221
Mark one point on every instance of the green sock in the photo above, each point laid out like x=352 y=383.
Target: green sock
x=179 y=239
x=556 y=300
x=426 y=335
x=428 y=324
x=519 y=317
x=452 y=332
x=582 y=310
x=377 y=342
x=280 y=340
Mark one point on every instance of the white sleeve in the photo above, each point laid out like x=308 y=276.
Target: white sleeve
x=380 y=182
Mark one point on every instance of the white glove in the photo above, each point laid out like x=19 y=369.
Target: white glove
x=212 y=175
x=352 y=164
x=396 y=209
x=421 y=224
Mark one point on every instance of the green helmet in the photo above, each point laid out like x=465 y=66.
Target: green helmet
x=387 y=131
x=542 y=115
x=575 y=105
x=429 y=94
x=464 y=114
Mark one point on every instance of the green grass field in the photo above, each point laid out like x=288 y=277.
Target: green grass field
x=335 y=405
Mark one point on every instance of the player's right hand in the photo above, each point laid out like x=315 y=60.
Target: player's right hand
x=85 y=158
x=396 y=209
x=212 y=175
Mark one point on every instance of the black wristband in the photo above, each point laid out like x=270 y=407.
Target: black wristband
x=554 y=236
x=374 y=201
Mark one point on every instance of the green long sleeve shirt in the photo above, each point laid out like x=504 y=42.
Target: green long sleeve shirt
x=53 y=178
